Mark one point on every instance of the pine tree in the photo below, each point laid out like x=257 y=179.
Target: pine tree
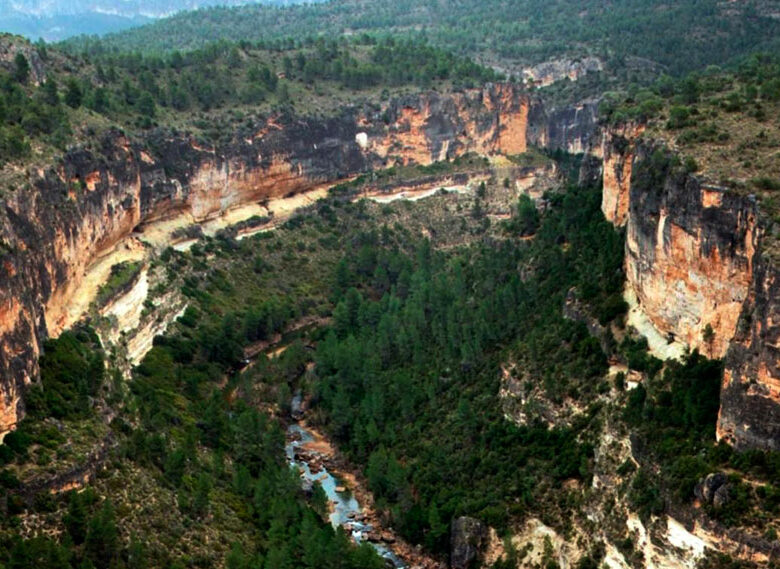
x=21 y=68
x=136 y=554
x=100 y=101
x=284 y=93
x=49 y=92
x=200 y=502
x=77 y=517
x=146 y=105
x=102 y=542
x=438 y=529
x=73 y=93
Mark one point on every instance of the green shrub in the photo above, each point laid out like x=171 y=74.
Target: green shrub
x=679 y=117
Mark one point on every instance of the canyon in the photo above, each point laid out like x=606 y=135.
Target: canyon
x=693 y=249
x=68 y=217
x=693 y=260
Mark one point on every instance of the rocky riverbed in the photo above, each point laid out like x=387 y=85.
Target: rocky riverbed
x=351 y=504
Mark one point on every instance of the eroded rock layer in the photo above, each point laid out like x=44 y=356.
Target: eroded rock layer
x=695 y=264
x=71 y=214
x=750 y=396
x=689 y=253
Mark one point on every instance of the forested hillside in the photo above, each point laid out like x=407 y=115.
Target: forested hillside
x=695 y=33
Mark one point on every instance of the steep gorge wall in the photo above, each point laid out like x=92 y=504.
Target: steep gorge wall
x=571 y=128
x=750 y=396
x=71 y=214
x=694 y=258
x=689 y=252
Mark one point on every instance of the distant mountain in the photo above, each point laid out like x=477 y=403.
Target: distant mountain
x=54 y=20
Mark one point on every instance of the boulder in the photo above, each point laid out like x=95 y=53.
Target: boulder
x=721 y=496
x=707 y=487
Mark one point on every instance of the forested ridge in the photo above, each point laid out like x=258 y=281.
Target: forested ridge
x=57 y=20
x=695 y=32
x=201 y=91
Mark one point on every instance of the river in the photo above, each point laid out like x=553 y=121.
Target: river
x=345 y=510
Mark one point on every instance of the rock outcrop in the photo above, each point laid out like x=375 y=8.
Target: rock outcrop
x=695 y=261
x=10 y=47
x=689 y=252
x=556 y=70
x=713 y=489
x=617 y=151
x=750 y=396
x=69 y=215
x=468 y=538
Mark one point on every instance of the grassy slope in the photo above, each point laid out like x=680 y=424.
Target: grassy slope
x=724 y=125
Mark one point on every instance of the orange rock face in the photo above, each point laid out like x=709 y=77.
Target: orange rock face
x=689 y=248
x=83 y=207
x=683 y=284
x=409 y=142
x=13 y=317
x=513 y=124
x=693 y=260
x=485 y=121
x=618 y=158
x=750 y=395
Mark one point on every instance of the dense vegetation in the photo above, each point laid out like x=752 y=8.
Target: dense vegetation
x=73 y=374
x=60 y=20
x=26 y=112
x=673 y=417
x=212 y=453
x=751 y=82
x=242 y=75
x=696 y=33
x=409 y=374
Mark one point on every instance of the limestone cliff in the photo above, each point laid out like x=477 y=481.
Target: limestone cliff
x=69 y=215
x=689 y=252
x=617 y=152
x=571 y=128
x=694 y=258
x=750 y=396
